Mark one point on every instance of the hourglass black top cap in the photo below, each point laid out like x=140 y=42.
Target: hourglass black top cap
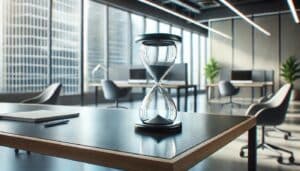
x=158 y=39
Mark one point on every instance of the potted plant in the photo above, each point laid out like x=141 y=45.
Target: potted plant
x=290 y=71
x=212 y=69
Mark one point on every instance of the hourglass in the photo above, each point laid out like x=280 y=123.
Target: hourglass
x=158 y=54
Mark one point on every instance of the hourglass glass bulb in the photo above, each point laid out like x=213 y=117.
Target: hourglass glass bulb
x=158 y=56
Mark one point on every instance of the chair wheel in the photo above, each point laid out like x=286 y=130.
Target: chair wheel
x=286 y=136
x=292 y=159
x=242 y=153
x=280 y=160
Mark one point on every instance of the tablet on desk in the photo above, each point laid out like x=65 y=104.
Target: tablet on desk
x=36 y=116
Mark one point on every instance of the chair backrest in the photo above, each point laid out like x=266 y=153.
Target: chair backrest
x=273 y=111
x=48 y=96
x=281 y=97
x=110 y=90
x=258 y=75
x=269 y=75
x=226 y=88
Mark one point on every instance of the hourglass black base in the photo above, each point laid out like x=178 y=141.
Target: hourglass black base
x=173 y=127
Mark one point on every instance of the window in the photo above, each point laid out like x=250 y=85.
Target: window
x=203 y=60
x=151 y=26
x=164 y=28
x=95 y=42
x=186 y=41
x=177 y=31
x=2 y=8
x=118 y=37
x=28 y=62
x=137 y=29
x=24 y=51
x=196 y=56
x=66 y=45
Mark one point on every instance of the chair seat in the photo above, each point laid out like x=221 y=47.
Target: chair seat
x=112 y=92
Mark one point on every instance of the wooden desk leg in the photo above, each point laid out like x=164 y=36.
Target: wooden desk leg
x=178 y=98
x=252 y=163
x=96 y=96
x=195 y=98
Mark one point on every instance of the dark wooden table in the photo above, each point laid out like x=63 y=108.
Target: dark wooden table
x=107 y=137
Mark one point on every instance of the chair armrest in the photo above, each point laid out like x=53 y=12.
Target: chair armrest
x=31 y=100
x=254 y=108
x=265 y=98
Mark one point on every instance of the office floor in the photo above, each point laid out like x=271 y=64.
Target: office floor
x=226 y=159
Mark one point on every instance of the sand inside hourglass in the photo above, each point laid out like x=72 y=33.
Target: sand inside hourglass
x=158 y=70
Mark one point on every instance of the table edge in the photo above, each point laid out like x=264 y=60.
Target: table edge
x=192 y=156
x=123 y=160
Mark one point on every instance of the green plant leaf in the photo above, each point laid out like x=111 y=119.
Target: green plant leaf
x=211 y=69
x=290 y=70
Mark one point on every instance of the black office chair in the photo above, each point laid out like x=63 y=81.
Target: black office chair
x=226 y=89
x=286 y=134
x=271 y=113
x=113 y=92
x=48 y=96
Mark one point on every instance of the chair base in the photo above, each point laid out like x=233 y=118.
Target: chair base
x=263 y=145
x=271 y=148
x=117 y=105
x=232 y=103
x=122 y=107
x=287 y=134
x=17 y=151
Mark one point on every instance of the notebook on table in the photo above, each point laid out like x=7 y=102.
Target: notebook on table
x=37 y=116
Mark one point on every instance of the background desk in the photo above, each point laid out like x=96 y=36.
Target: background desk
x=107 y=137
x=261 y=85
x=172 y=85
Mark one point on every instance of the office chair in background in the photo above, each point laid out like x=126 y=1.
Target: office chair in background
x=226 y=89
x=48 y=96
x=112 y=92
x=286 y=134
x=271 y=113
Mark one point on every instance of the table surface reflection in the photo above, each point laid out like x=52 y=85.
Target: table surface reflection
x=114 y=129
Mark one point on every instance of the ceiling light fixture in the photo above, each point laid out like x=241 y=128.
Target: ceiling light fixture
x=233 y=9
x=185 y=18
x=182 y=4
x=293 y=10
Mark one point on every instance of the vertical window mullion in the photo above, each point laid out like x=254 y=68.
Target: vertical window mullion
x=49 y=70
x=191 y=59
x=199 y=59
x=106 y=60
x=130 y=40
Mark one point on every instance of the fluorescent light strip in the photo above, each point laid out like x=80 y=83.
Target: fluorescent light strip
x=180 y=3
x=245 y=18
x=293 y=10
x=185 y=18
